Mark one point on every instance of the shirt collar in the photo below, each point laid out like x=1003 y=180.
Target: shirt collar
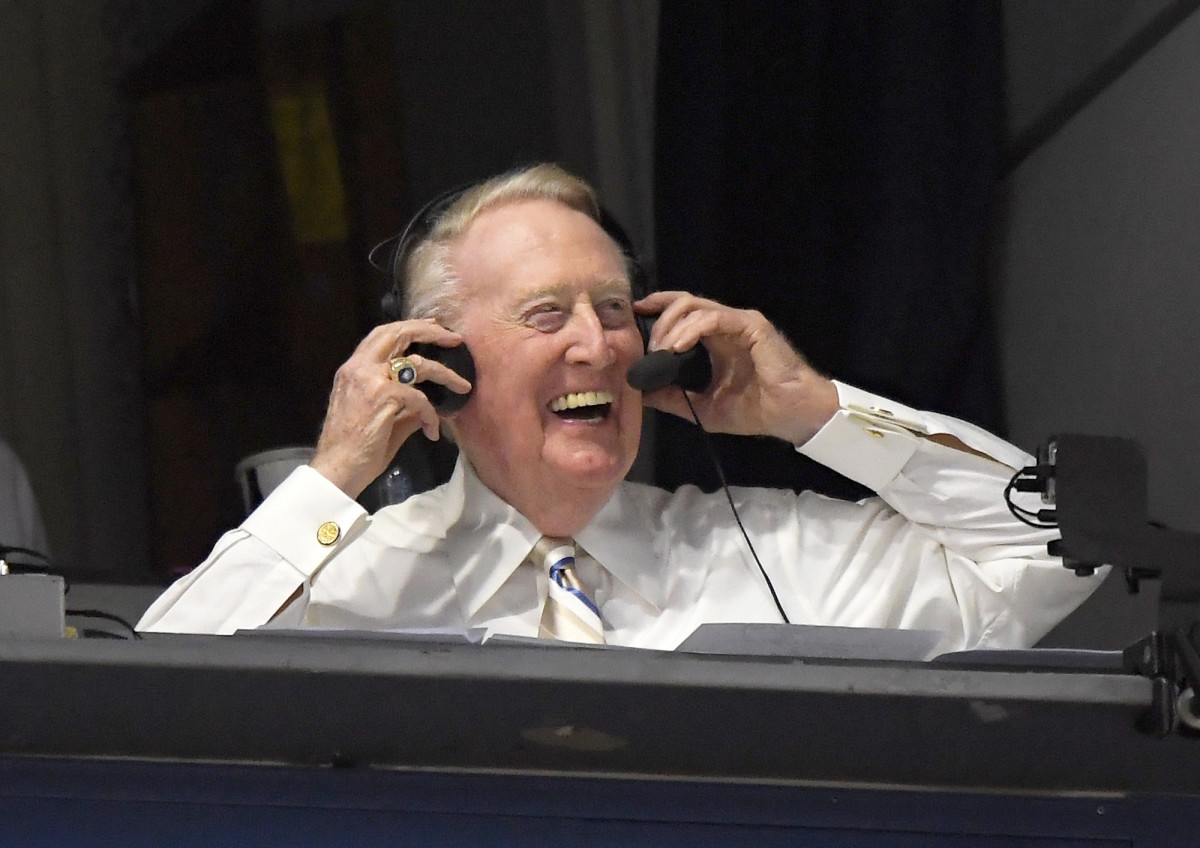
x=487 y=543
x=490 y=540
x=620 y=539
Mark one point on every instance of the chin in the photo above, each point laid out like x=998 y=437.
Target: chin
x=593 y=468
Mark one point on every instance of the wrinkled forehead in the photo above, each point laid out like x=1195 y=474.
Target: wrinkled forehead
x=536 y=245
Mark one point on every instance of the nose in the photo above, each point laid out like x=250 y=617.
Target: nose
x=589 y=343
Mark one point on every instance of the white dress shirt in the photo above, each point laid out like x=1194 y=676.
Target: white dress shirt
x=937 y=550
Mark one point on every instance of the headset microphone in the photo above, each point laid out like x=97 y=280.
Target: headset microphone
x=691 y=370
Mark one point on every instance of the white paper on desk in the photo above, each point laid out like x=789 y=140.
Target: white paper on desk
x=471 y=635
x=806 y=640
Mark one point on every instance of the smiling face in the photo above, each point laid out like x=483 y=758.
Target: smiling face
x=552 y=426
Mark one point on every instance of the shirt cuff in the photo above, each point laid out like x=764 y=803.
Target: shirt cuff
x=306 y=519
x=868 y=440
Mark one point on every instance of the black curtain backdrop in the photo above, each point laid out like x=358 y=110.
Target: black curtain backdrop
x=833 y=164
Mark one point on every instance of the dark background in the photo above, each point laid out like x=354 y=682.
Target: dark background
x=834 y=165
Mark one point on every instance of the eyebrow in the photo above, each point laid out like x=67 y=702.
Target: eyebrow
x=617 y=284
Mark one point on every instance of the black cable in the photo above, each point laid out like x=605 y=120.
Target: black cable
x=1041 y=519
x=716 y=461
x=47 y=568
x=106 y=616
x=5 y=550
x=93 y=633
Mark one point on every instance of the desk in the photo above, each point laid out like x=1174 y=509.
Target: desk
x=298 y=739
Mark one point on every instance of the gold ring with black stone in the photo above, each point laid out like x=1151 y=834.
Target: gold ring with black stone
x=403 y=370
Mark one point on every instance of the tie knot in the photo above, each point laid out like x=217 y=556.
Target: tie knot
x=554 y=553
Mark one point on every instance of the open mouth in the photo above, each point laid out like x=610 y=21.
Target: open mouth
x=583 y=406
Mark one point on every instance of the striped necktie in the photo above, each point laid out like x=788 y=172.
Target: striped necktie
x=569 y=614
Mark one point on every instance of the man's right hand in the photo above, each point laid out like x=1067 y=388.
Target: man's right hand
x=370 y=414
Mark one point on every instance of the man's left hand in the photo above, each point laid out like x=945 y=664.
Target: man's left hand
x=761 y=386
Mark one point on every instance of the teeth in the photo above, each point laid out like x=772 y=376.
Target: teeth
x=578 y=399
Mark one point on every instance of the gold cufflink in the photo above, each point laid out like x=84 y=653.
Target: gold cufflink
x=328 y=533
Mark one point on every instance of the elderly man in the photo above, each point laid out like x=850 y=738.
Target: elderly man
x=537 y=526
